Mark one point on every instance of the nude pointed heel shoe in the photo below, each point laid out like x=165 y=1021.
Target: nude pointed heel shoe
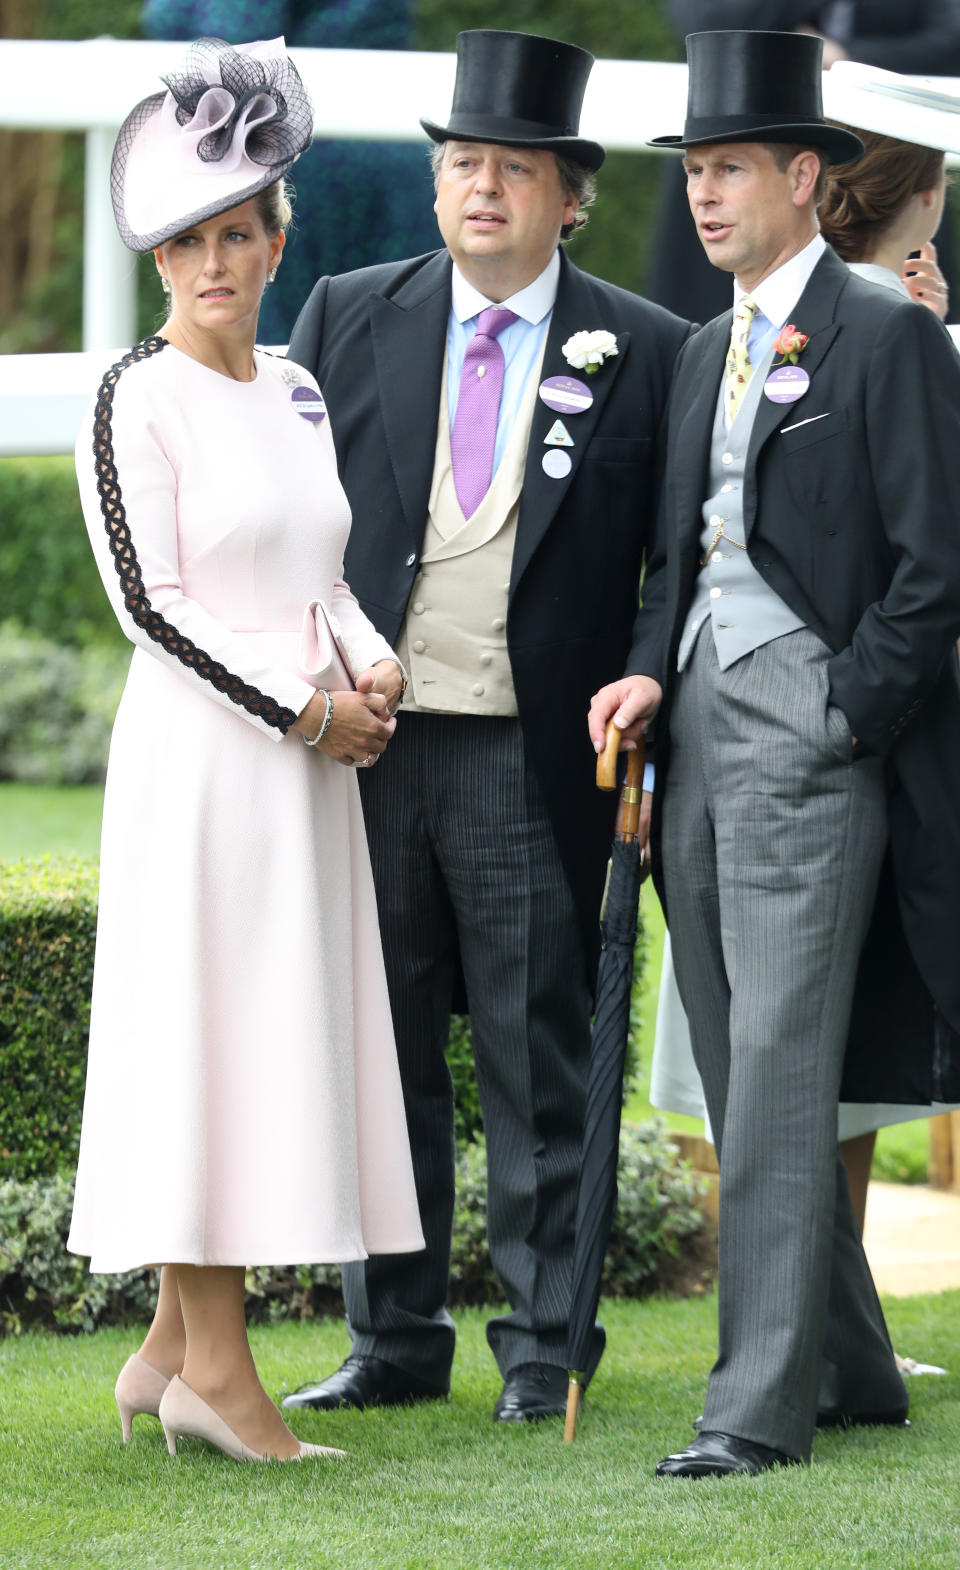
x=182 y=1411
x=139 y=1388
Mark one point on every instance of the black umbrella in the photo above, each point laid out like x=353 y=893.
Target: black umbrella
x=597 y=1194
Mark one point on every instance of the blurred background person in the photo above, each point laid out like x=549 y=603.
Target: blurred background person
x=919 y=39
x=358 y=203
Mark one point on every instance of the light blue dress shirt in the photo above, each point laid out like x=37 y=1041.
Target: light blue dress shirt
x=521 y=342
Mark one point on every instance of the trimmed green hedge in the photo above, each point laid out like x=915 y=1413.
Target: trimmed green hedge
x=49 y=581
x=42 y=1286
x=48 y=913
x=57 y=706
x=48 y=919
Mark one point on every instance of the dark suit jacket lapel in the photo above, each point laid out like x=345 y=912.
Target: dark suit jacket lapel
x=409 y=331
x=577 y=309
x=814 y=315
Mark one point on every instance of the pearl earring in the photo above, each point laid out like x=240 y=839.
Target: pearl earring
x=164 y=284
x=271 y=275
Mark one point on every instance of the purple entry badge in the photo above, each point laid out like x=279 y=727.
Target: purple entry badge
x=566 y=394
x=309 y=404
x=786 y=384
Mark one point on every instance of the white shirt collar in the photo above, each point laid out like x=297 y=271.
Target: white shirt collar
x=777 y=295
x=531 y=303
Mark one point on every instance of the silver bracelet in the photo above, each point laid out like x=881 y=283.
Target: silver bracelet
x=327 y=717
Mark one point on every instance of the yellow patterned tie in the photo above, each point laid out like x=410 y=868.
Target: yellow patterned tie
x=739 y=369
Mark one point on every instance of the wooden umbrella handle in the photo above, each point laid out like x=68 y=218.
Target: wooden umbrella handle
x=607 y=760
x=628 y=812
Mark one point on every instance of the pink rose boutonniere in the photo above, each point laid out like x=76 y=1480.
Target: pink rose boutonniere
x=790 y=344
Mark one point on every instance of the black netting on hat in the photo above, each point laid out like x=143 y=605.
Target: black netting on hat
x=126 y=137
x=276 y=84
x=275 y=143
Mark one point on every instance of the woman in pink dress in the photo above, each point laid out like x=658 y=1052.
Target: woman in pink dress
x=243 y=1103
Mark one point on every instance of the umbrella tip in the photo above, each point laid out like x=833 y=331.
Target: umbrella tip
x=573 y=1406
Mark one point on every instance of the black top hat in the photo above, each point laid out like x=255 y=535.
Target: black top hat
x=758 y=87
x=519 y=90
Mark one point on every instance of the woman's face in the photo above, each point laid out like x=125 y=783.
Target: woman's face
x=217 y=269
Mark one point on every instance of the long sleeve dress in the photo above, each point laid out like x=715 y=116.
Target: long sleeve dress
x=243 y=1103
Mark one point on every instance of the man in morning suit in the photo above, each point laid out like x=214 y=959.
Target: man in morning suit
x=497 y=542
x=799 y=624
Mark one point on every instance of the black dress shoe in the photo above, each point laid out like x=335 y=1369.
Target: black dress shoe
x=364 y=1381
x=531 y=1391
x=833 y=1417
x=713 y=1454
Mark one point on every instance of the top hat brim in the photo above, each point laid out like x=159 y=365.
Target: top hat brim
x=518 y=133
x=920 y=112
x=841 y=147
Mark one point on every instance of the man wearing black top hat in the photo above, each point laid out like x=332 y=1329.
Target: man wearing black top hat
x=500 y=552
x=798 y=637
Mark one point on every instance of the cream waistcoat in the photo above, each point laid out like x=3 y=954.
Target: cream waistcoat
x=454 y=639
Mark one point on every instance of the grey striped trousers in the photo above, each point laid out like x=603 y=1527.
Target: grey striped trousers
x=772 y=839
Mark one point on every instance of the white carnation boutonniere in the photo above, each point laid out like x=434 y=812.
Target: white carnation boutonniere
x=587 y=351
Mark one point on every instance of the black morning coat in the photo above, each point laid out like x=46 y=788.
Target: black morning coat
x=375 y=341
x=853 y=517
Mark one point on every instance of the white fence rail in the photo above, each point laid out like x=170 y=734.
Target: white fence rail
x=364 y=94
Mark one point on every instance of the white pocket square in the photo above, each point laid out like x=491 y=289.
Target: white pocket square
x=813 y=418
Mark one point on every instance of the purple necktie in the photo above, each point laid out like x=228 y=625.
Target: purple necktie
x=474 y=433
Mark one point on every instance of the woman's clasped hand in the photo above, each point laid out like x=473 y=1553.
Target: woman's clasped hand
x=361 y=722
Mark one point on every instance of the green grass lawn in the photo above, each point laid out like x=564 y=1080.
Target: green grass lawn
x=440 y=1487
x=37 y=820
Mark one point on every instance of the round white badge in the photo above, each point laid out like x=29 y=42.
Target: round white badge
x=557 y=463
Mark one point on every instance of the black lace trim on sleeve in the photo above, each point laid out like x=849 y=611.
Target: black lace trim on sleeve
x=128 y=568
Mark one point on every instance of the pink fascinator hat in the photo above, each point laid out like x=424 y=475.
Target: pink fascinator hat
x=229 y=125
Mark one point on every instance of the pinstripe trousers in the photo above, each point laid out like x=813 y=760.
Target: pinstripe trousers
x=465 y=860
x=772 y=839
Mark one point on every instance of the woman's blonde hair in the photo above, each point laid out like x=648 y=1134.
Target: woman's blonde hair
x=274 y=207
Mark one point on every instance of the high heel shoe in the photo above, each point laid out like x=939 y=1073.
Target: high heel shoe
x=139 y=1388
x=182 y=1411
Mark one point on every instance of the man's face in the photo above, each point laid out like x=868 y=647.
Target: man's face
x=501 y=208
x=746 y=209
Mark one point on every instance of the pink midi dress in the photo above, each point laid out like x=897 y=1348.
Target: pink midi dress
x=243 y=1102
